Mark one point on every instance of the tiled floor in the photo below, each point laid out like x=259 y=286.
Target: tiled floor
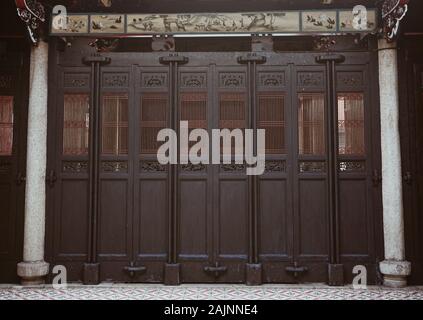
x=207 y=292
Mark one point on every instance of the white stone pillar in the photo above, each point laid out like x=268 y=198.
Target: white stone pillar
x=33 y=268
x=394 y=268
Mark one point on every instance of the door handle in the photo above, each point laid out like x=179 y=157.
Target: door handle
x=216 y=270
x=132 y=270
x=51 y=178
x=296 y=269
x=20 y=179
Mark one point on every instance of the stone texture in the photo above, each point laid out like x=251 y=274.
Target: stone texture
x=35 y=194
x=32 y=272
x=393 y=220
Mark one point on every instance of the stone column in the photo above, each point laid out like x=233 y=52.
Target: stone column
x=33 y=269
x=394 y=268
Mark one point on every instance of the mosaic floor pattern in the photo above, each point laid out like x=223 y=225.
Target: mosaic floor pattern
x=204 y=292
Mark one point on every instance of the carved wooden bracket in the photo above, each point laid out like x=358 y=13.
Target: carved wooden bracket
x=32 y=13
x=105 y=45
x=393 y=11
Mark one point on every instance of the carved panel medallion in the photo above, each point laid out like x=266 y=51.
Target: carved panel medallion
x=232 y=80
x=115 y=80
x=194 y=80
x=77 y=80
x=271 y=79
x=311 y=79
x=154 y=80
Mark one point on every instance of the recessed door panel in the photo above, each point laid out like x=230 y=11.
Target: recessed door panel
x=13 y=130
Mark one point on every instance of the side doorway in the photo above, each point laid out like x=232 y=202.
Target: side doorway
x=411 y=118
x=14 y=77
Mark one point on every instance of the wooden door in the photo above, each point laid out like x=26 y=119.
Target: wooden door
x=13 y=124
x=316 y=206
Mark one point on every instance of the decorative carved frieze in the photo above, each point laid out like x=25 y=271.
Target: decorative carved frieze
x=324 y=43
x=233 y=167
x=263 y=22
x=312 y=166
x=232 y=80
x=115 y=80
x=311 y=79
x=393 y=11
x=193 y=167
x=76 y=80
x=352 y=166
x=271 y=79
x=32 y=14
x=154 y=80
x=75 y=166
x=152 y=166
x=104 y=45
x=275 y=166
x=193 y=80
x=114 y=166
x=350 y=79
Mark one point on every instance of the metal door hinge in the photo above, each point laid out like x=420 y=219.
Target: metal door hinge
x=217 y=270
x=296 y=270
x=133 y=270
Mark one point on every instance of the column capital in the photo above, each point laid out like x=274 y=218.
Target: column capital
x=395 y=272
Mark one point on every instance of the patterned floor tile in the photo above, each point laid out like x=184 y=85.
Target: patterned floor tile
x=208 y=292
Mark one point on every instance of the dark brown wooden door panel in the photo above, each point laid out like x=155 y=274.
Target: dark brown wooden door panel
x=13 y=127
x=214 y=217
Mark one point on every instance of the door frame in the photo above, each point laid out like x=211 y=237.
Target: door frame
x=128 y=59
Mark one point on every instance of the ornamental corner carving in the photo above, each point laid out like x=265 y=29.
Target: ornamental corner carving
x=393 y=11
x=32 y=13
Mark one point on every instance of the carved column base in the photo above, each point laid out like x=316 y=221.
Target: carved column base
x=33 y=273
x=172 y=274
x=336 y=275
x=395 y=273
x=254 y=274
x=91 y=273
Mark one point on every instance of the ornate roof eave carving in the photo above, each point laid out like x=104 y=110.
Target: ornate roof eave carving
x=32 y=13
x=393 y=11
